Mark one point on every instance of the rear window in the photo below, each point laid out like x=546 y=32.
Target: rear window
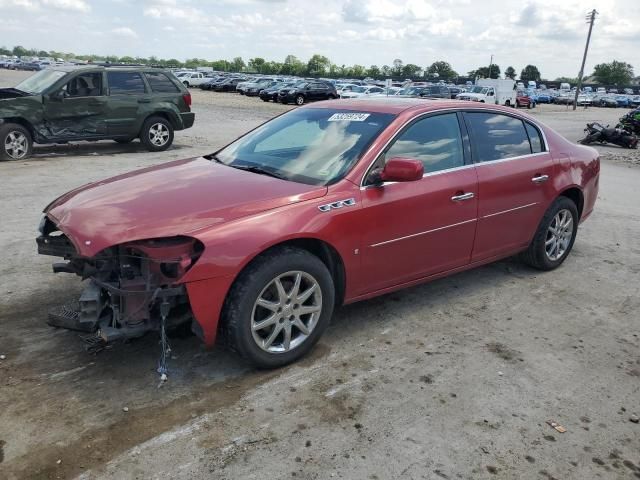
x=125 y=82
x=160 y=83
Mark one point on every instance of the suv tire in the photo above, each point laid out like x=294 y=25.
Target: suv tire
x=156 y=134
x=15 y=142
x=285 y=280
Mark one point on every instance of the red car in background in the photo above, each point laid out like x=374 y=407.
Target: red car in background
x=324 y=205
x=523 y=100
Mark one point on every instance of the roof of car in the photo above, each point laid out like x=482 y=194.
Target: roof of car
x=75 y=68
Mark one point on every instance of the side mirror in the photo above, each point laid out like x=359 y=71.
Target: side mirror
x=398 y=169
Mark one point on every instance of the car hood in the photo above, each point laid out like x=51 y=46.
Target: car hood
x=176 y=198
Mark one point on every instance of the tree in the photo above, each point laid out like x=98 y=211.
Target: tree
x=614 y=73
x=530 y=72
x=359 y=71
x=257 y=64
x=569 y=80
x=442 y=69
x=19 y=51
x=292 y=66
x=373 y=72
x=237 y=64
x=386 y=71
x=510 y=72
x=411 y=71
x=318 y=65
x=5 y=51
x=483 y=72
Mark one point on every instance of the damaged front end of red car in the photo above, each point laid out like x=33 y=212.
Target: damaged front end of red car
x=131 y=288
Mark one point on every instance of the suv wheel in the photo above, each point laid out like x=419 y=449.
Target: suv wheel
x=156 y=134
x=186 y=84
x=299 y=100
x=279 y=307
x=15 y=142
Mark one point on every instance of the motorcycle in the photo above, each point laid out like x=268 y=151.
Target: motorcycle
x=618 y=136
x=631 y=122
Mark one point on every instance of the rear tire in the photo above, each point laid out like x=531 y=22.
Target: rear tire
x=156 y=134
x=266 y=291
x=15 y=142
x=557 y=230
x=299 y=100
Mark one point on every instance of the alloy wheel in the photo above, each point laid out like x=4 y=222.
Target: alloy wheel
x=559 y=235
x=286 y=312
x=16 y=144
x=159 y=134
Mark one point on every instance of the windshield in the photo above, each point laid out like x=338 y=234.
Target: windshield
x=479 y=90
x=359 y=89
x=317 y=146
x=40 y=81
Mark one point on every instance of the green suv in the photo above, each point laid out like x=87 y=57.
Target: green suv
x=63 y=104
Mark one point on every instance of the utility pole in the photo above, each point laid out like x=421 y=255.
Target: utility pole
x=591 y=17
x=490 y=65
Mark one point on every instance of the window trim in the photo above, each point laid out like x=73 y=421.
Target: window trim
x=466 y=153
x=460 y=111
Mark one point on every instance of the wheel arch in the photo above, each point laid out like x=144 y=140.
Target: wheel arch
x=35 y=136
x=576 y=195
x=169 y=116
x=327 y=253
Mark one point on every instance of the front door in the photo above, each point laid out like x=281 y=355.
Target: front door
x=515 y=177
x=78 y=110
x=416 y=229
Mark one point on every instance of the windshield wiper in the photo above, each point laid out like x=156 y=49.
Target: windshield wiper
x=258 y=170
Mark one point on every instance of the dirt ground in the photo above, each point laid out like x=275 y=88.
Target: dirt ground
x=450 y=380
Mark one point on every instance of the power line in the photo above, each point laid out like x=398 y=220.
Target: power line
x=591 y=17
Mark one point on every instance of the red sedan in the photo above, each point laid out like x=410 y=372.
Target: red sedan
x=324 y=205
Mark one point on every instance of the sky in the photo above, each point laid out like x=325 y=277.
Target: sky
x=547 y=33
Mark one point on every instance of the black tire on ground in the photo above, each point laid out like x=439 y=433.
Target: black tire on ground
x=299 y=100
x=15 y=142
x=529 y=106
x=265 y=99
x=239 y=304
x=152 y=142
x=186 y=84
x=536 y=255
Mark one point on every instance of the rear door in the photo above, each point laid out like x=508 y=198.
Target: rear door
x=515 y=181
x=416 y=229
x=79 y=109
x=127 y=95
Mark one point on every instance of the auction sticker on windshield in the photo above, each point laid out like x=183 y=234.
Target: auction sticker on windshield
x=349 y=117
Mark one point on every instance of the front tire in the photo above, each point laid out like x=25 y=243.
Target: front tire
x=15 y=142
x=279 y=307
x=156 y=134
x=299 y=100
x=555 y=236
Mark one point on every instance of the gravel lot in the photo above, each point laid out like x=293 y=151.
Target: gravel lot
x=453 y=379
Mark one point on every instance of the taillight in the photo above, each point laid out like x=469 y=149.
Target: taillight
x=187 y=99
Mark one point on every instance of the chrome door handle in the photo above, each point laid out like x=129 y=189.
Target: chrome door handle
x=540 y=178
x=464 y=196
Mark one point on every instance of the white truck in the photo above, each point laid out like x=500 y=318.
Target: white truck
x=192 y=79
x=489 y=90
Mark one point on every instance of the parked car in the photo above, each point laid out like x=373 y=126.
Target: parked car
x=361 y=91
x=255 y=89
x=523 y=100
x=271 y=93
x=544 y=97
x=607 y=101
x=435 y=91
x=623 y=101
x=321 y=206
x=307 y=92
x=254 y=84
x=62 y=104
x=193 y=79
x=227 y=85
